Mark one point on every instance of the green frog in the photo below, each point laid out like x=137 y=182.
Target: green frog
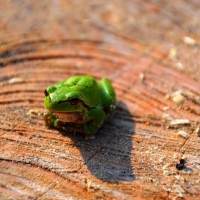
x=79 y=103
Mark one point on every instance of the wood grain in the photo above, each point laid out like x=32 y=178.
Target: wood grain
x=140 y=47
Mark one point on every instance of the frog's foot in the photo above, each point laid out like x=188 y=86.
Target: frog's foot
x=95 y=118
x=50 y=120
x=47 y=119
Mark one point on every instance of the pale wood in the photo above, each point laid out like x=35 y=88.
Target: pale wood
x=140 y=47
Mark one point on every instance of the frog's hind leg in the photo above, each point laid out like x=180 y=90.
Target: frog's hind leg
x=95 y=118
x=109 y=96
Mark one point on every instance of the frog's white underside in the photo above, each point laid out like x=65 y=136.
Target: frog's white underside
x=73 y=117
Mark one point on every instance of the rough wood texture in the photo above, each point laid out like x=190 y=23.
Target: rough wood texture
x=143 y=47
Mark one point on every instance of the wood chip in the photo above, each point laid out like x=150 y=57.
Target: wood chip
x=173 y=53
x=16 y=80
x=165 y=108
x=179 y=65
x=88 y=184
x=177 y=97
x=197 y=132
x=189 y=41
x=141 y=76
x=179 y=121
x=34 y=113
x=167 y=116
x=183 y=134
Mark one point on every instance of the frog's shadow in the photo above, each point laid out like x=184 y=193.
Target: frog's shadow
x=108 y=155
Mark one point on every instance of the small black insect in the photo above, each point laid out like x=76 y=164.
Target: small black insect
x=181 y=165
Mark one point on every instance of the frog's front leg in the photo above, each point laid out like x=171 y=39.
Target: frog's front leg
x=95 y=118
x=50 y=120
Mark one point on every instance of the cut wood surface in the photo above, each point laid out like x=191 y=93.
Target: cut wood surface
x=150 y=51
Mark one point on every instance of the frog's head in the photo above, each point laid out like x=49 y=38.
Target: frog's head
x=73 y=95
x=56 y=99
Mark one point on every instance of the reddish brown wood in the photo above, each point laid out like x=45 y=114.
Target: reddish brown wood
x=141 y=47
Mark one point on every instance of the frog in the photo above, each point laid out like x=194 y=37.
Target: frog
x=79 y=104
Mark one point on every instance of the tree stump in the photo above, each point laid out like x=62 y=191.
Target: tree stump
x=150 y=52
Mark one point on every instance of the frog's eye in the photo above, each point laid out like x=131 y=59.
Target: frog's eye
x=71 y=101
x=46 y=93
x=59 y=102
x=74 y=101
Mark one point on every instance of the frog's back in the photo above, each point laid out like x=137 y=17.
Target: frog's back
x=81 y=81
x=85 y=88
